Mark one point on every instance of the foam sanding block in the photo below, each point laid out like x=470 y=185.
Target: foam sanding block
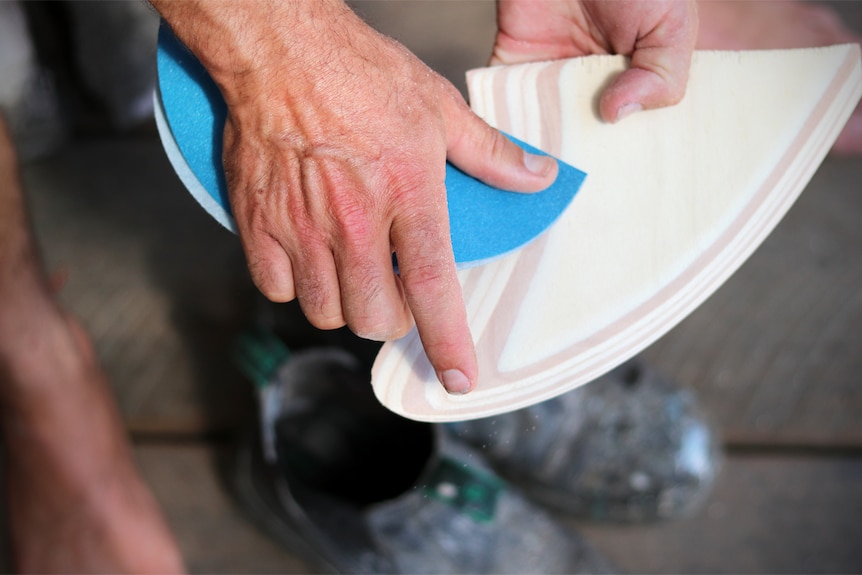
x=485 y=222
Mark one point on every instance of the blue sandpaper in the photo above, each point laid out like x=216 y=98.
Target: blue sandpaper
x=485 y=222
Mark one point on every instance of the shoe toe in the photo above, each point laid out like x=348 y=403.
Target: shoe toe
x=630 y=446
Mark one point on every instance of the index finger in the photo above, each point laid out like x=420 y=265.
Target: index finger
x=427 y=268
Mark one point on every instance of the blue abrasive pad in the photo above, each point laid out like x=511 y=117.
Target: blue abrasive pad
x=485 y=222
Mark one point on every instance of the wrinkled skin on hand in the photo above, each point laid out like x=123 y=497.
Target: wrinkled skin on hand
x=659 y=35
x=334 y=151
x=336 y=141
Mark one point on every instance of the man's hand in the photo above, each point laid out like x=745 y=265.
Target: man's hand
x=334 y=151
x=659 y=35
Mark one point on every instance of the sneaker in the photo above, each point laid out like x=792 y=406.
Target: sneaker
x=631 y=446
x=352 y=488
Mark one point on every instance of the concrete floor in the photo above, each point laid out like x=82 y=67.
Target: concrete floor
x=775 y=355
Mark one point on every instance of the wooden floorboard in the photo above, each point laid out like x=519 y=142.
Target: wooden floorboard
x=161 y=287
x=213 y=533
x=776 y=353
x=767 y=515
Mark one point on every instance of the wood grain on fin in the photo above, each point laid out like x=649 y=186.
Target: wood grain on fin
x=674 y=202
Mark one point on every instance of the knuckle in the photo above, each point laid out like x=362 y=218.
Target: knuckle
x=400 y=329
x=318 y=303
x=354 y=225
x=270 y=287
x=496 y=144
x=373 y=313
x=387 y=325
x=668 y=81
x=409 y=179
x=414 y=168
x=430 y=258
x=426 y=282
x=675 y=91
x=492 y=149
x=324 y=316
x=271 y=276
x=393 y=323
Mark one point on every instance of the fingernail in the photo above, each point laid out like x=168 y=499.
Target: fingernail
x=455 y=382
x=628 y=110
x=539 y=165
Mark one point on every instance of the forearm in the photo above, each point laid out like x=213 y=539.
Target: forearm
x=236 y=40
x=14 y=235
x=24 y=292
x=7 y=151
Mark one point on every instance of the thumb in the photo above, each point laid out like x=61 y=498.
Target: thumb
x=488 y=155
x=659 y=69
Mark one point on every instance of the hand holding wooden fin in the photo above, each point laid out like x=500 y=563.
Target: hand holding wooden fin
x=677 y=199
